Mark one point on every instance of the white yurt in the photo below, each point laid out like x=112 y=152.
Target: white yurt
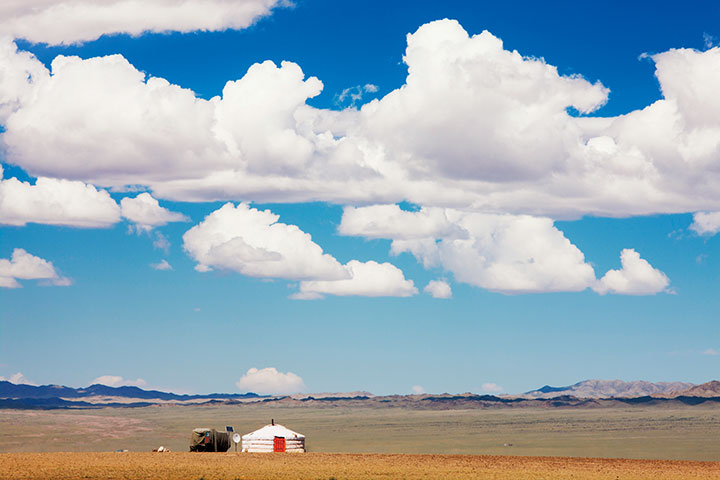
x=273 y=438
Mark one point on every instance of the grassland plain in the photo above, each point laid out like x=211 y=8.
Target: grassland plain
x=684 y=433
x=325 y=466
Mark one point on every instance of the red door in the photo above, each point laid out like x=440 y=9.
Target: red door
x=279 y=444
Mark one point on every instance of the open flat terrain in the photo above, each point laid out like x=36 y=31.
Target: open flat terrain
x=687 y=433
x=371 y=443
x=325 y=466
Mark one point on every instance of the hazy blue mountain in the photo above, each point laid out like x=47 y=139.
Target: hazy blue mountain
x=11 y=390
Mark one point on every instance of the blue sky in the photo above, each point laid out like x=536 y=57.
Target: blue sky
x=516 y=185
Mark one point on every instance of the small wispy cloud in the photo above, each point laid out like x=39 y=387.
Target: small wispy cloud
x=350 y=96
x=491 y=387
x=161 y=242
x=709 y=40
x=118 y=381
x=711 y=351
x=161 y=265
x=18 y=379
x=417 y=389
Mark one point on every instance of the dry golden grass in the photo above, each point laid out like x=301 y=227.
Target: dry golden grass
x=325 y=466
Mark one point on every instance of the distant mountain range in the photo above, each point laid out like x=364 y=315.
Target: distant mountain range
x=585 y=394
x=103 y=394
x=610 y=389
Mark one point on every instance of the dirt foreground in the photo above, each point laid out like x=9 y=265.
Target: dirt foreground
x=326 y=466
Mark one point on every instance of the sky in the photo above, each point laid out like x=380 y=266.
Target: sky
x=393 y=197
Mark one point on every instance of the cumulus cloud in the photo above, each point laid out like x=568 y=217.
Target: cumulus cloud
x=452 y=77
x=438 y=289
x=504 y=253
x=418 y=389
x=55 y=202
x=118 y=381
x=150 y=131
x=711 y=351
x=18 y=379
x=706 y=223
x=19 y=73
x=161 y=265
x=269 y=381
x=491 y=388
x=146 y=213
x=73 y=21
x=456 y=134
x=25 y=266
x=254 y=243
x=636 y=277
x=390 y=221
x=369 y=279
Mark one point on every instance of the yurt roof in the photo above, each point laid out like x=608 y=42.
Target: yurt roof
x=271 y=431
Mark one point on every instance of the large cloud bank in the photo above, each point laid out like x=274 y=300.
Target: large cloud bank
x=478 y=135
x=475 y=125
x=73 y=21
x=503 y=253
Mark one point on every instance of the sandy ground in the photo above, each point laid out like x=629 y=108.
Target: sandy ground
x=327 y=466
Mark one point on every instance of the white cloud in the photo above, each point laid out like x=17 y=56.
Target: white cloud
x=711 y=351
x=161 y=242
x=268 y=381
x=491 y=388
x=19 y=73
x=25 y=266
x=129 y=130
x=369 y=279
x=56 y=202
x=147 y=213
x=438 y=289
x=636 y=277
x=118 y=381
x=161 y=265
x=73 y=21
x=418 y=389
x=456 y=134
x=350 y=96
x=18 y=379
x=390 y=221
x=706 y=223
x=472 y=110
x=504 y=253
x=254 y=243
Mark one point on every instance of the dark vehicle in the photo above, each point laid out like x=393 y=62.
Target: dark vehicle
x=209 y=440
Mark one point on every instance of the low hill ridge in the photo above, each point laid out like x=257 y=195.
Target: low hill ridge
x=706 y=390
